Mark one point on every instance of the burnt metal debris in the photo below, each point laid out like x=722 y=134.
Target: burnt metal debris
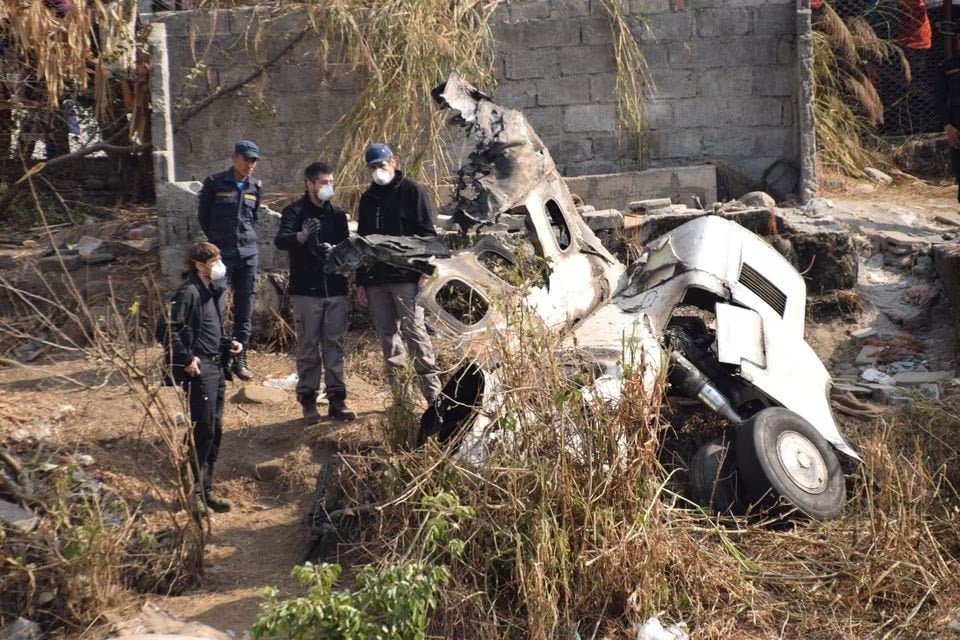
x=709 y=305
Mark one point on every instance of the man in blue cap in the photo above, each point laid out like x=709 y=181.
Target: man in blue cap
x=397 y=206
x=229 y=204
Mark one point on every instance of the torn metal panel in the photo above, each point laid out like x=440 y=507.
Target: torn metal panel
x=408 y=252
x=507 y=163
x=710 y=306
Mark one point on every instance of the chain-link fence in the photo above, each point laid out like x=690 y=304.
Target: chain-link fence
x=906 y=85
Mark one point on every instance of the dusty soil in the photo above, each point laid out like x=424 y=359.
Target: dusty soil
x=258 y=542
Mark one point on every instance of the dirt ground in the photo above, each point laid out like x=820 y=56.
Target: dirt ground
x=259 y=541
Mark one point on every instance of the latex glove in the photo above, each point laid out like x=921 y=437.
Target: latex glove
x=953 y=136
x=310 y=226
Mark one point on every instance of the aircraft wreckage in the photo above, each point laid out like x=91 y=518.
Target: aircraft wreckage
x=742 y=353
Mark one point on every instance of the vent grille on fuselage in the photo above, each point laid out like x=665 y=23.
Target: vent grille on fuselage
x=763 y=288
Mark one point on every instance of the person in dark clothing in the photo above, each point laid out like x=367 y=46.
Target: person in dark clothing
x=193 y=335
x=397 y=206
x=308 y=229
x=947 y=98
x=229 y=205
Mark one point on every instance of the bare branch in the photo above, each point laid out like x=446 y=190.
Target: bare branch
x=220 y=92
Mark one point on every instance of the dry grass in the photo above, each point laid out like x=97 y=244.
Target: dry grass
x=94 y=543
x=847 y=106
x=570 y=530
x=634 y=83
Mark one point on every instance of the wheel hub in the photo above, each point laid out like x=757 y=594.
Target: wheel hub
x=802 y=462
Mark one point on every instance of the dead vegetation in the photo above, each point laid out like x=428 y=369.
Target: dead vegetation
x=575 y=525
x=846 y=106
x=95 y=539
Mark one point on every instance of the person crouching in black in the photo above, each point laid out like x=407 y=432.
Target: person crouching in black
x=196 y=342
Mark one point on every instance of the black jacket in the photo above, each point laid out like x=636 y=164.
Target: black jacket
x=400 y=208
x=306 y=261
x=228 y=215
x=178 y=335
x=947 y=92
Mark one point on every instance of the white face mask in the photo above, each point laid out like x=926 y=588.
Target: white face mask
x=382 y=176
x=218 y=271
x=325 y=192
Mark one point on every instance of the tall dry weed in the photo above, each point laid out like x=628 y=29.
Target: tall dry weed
x=92 y=544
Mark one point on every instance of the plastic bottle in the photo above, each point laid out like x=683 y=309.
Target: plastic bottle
x=143 y=231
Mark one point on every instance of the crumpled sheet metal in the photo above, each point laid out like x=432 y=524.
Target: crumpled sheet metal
x=508 y=162
x=408 y=252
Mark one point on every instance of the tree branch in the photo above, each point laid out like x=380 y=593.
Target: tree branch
x=220 y=92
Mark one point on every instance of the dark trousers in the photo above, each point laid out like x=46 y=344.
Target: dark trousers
x=955 y=164
x=242 y=274
x=206 y=391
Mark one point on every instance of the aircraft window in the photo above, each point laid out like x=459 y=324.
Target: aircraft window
x=558 y=224
x=462 y=301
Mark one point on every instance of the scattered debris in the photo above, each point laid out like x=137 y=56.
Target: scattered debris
x=88 y=245
x=143 y=231
x=863 y=332
x=20 y=519
x=875 y=375
x=65 y=261
x=653 y=629
x=268 y=471
x=21 y=629
x=877 y=176
x=29 y=351
x=289 y=382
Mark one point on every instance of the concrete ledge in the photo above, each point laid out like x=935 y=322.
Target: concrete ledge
x=615 y=190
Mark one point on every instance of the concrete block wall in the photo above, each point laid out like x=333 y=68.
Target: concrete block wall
x=728 y=85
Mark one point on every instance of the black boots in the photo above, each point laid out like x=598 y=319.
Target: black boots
x=338 y=411
x=218 y=504
x=239 y=366
x=205 y=503
x=309 y=403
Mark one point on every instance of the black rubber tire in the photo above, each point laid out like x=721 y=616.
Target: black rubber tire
x=713 y=477
x=785 y=463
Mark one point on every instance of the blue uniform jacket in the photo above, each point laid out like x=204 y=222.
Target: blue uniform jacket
x=228 y=214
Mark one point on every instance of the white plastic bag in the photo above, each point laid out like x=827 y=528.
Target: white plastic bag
x=289 y=383
x=653 y=630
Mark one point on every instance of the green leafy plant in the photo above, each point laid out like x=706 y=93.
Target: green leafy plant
x=386 y=602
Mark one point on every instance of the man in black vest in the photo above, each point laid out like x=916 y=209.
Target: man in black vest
x=308 y=228
x=229 y=204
